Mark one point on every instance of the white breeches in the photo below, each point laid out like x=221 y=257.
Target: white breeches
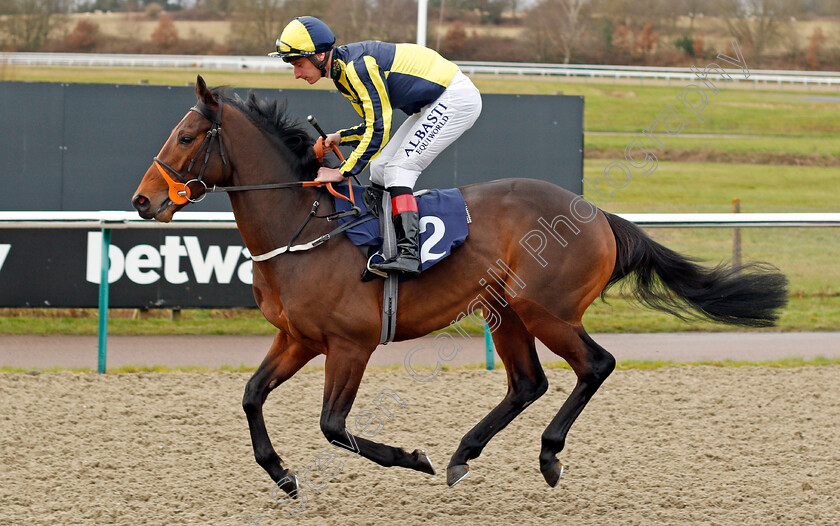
x=425 y=134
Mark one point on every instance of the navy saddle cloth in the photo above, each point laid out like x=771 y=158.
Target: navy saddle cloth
x=443 y=223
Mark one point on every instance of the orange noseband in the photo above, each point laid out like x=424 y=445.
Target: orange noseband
x=179 y=193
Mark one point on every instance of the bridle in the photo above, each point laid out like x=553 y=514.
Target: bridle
x=180 y=193
x=179 y=185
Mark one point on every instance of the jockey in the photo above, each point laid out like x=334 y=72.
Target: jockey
x=378 y=77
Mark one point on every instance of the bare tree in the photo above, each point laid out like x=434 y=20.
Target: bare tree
x=29 y=23
x=755 y=23
x=692 y=8
x=632 y=13
x=256 y=25
x=386 y=20
x=558 y=25
x=389 y=20
x=355 y=23
x=572 y=25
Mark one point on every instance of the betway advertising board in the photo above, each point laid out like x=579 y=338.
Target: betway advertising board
x=148 y=268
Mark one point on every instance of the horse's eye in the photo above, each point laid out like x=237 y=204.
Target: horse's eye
x=186 y=139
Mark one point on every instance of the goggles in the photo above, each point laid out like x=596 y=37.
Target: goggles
x=289 y=53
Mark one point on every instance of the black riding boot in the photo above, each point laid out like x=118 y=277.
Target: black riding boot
x=407 y=262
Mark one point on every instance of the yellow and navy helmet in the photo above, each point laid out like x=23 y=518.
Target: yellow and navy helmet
x=303 y=37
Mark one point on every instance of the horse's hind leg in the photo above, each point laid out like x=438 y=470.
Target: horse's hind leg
x=343 y=374
x=526 y=383
x=283 y=360
x=591 y=363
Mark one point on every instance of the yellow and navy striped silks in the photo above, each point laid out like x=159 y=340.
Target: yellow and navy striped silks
x=379 y=77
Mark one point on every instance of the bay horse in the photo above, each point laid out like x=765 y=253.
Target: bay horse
x=553 y=254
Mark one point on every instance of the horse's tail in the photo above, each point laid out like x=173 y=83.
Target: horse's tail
x=748 y=295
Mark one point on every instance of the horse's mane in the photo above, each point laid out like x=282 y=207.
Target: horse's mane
x=272 y=118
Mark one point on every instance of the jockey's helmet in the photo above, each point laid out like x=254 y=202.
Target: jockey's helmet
x=304 y=37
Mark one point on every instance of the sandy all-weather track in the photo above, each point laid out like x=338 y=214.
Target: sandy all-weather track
x=679 y=445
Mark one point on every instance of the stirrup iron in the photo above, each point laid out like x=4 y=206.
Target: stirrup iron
x=373 y=270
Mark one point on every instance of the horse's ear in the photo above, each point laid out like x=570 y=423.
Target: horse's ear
x=200 y=88
x=202 y=93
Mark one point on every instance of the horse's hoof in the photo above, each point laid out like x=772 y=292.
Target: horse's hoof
x=553 y=472
x=424 y=463
x=290 y=484
x=455 y=474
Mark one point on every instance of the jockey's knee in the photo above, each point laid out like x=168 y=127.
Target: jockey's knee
x=377 y=171
x=400 y=176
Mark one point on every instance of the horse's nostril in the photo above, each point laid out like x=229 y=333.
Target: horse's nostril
x=140 y=202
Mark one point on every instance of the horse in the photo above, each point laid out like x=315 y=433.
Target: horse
x=550 y=252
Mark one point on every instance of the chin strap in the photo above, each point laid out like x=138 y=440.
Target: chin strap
x=321 y=64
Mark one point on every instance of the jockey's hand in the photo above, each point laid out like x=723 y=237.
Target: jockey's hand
x=332 y=138
x=329 y=175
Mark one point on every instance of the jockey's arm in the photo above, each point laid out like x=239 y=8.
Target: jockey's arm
x=368 y=83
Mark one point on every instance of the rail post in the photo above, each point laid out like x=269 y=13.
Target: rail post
x=103 y=299
x=736 y=235
x=489 y=350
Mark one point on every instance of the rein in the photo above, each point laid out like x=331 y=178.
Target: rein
x=180 y=193
x=179 y=187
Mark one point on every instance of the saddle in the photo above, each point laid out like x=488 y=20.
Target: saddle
x=444 y=220
x=372 y=199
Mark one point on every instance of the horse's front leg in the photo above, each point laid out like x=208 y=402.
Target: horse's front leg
x=283 y=360
x=345 y=367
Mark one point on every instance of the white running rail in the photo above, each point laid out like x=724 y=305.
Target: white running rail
x=224 y=220
x=268 y=64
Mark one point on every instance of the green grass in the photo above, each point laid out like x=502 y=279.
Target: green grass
x=623 y=365
x=802 y=145
x=164 y=77
x=85 y=322
x=192 y=321
x=808 y=256
x=131 y=369
x=783 y=363
x=705 y=187
x=617 y=315
x=622 y=315
x=730 y=111
x=631 y=108
x=608 y=107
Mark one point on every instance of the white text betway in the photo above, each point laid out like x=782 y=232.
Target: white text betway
x=147 y=264
x=4 y=251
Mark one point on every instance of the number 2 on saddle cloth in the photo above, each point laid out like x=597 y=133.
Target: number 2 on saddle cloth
x=443 y=221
